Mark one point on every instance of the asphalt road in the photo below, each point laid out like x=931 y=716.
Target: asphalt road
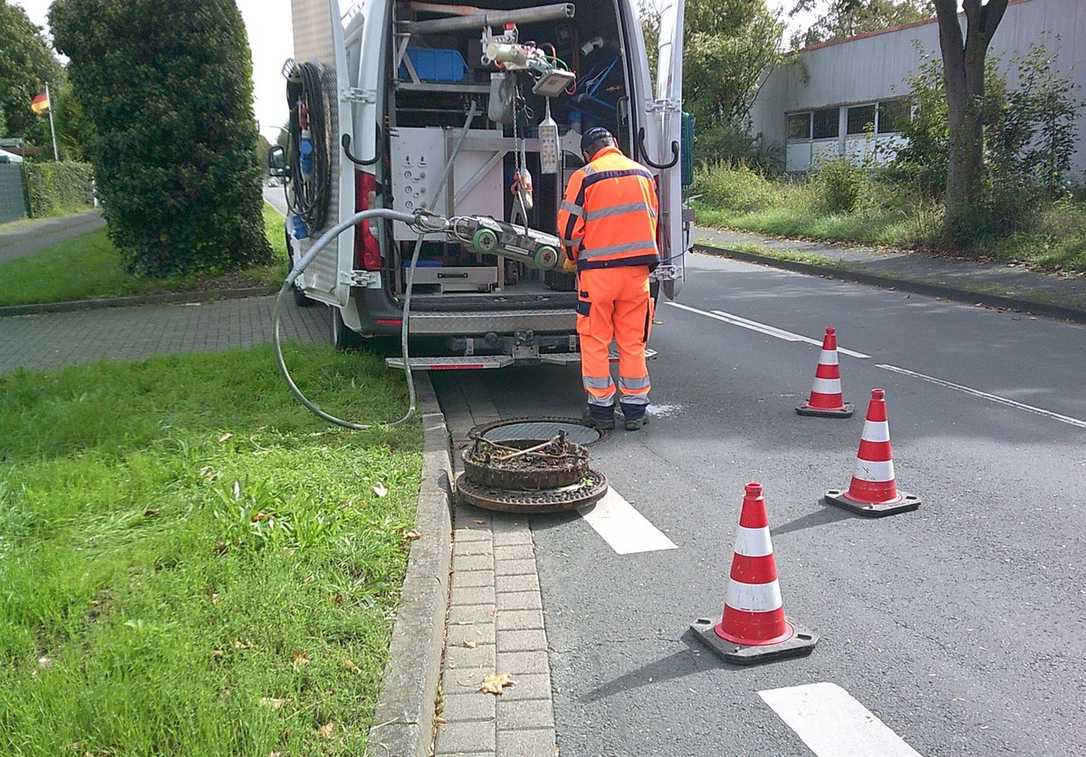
x=960 y=625
x=275 y=196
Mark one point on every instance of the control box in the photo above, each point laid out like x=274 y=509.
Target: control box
x=475 y=182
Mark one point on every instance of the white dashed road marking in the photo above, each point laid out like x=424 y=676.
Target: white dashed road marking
x=833 y=724
x=984 y=395
x=620 y=524
x=788 y=336
x=763 y=328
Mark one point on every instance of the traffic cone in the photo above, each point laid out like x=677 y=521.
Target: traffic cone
x=826 y=400
x=753 y=627
x=873 y=490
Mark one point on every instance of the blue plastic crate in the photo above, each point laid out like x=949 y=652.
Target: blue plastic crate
x=435 y=65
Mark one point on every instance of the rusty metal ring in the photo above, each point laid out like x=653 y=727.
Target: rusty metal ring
x=588 y=492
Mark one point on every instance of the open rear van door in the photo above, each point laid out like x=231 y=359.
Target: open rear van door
x=666 y=157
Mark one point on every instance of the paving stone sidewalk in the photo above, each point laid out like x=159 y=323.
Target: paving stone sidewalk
x=495 y=622
x=56 y=339
x=1065 y=290
x=27 y=237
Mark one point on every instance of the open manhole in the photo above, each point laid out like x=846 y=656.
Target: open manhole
x=530 y=465
x=541 y=429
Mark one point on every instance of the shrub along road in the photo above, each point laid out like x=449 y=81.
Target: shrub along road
x=956 y=625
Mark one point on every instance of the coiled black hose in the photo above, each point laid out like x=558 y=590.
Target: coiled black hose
x=308 y=192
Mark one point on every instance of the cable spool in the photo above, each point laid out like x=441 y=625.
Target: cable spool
x=310 y=153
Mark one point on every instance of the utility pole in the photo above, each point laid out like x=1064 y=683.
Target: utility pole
x=52 y=127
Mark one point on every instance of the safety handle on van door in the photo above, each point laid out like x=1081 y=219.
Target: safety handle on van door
x=647 y=159
x=346 y=141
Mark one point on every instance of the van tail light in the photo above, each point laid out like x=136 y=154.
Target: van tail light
x=367 y=250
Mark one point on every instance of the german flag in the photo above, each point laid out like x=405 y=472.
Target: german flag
x=40 y=103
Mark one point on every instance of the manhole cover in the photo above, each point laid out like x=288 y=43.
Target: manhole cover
x=586 y=492
x=541 y=429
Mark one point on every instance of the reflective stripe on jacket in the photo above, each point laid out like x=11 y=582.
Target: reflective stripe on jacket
x=609 y=214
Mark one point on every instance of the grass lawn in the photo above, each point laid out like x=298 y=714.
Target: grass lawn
x=190 y=563
x=89 y=266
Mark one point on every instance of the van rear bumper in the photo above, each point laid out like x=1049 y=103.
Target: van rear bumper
x=497 y=321
x=381 y=316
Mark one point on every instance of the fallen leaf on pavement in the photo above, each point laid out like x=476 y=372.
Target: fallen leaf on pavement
x=495 y=684
x=349 y=664
x=299 y=659
x=326 y=730
x=380 y=490
x=225 y=437
x=275 y=704
x=471 y=643
x=412 y=535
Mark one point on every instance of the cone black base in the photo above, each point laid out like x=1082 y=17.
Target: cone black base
x=904 y=503
x=845 y=411
x=801 y=644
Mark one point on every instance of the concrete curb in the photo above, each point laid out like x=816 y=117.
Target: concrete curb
x=404 y=716
x=147 y=299
x=888 y=282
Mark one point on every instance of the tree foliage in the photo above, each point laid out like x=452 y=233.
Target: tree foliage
x=1029 y=126
x=26 y=64
x=849 y=17
x=169 y=88
x=730 y=46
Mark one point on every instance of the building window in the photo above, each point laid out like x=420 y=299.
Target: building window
x=827 y=123
x=861 y=119
x=798 y=126
x=894 y=115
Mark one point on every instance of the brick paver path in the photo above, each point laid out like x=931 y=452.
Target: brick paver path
x=56 y=339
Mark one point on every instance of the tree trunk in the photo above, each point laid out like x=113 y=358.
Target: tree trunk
x=963 y=75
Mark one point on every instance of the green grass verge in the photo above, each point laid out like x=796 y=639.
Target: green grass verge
x=89 y=266
x=192 y=564
x=736 y=197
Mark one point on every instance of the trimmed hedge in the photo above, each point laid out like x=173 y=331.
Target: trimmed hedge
x=54 y=188
x=169 y=87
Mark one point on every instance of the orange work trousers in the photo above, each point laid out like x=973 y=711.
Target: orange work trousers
x=614 y=303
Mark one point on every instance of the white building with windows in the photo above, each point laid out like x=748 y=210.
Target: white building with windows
x=845 y=98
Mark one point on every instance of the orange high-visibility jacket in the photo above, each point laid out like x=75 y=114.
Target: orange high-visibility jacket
x=609 y=215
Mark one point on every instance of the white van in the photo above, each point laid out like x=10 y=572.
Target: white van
x=402 y=77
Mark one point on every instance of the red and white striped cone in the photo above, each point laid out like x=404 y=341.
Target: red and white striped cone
x=826 y=400
x=753 y=627
x=873 y=490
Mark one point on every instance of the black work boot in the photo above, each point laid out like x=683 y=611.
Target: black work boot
x=601 y=417
x=634 y=416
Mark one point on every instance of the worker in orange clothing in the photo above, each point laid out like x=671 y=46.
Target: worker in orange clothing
x=607 y=222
